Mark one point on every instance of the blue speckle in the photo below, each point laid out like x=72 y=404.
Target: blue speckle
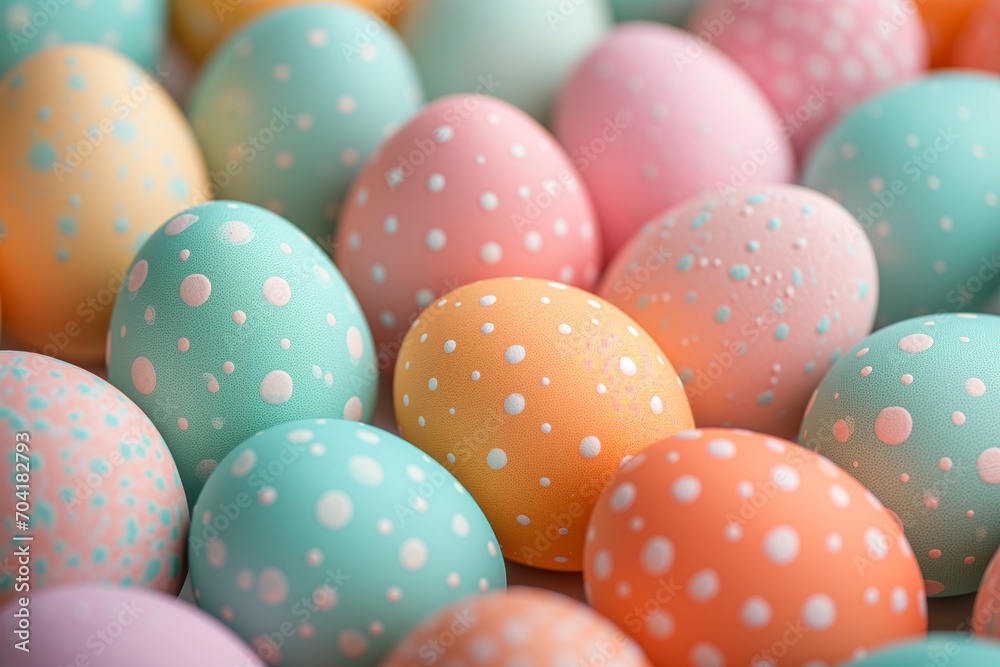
x=121 y=225
x=62 y=255
x=808 y=210
x=796 y=277
x=74 y=200
x=44 y=113
x=862 y=289
x=684 y=263
x=124 y=131
x=823 y=325
x=766 y=398
x=722 y=314
x=700 y=220
x=809 y=368
x=152 y=569
x=165 y=517
x=739 y=272
x=131 y=531
x=778 y=306
x=686 y=375
x=67 y=226
x=757 y=199
x=690 y=297
x=753 y=246
x=37 y=403
x=76 y=82
x=835 y=356
x=99 y=554
x=774 y=223
x=42 y=156
x=179 y=188
x=111 y=420
x=17 y=82
x=781 y=332
x=80 y=433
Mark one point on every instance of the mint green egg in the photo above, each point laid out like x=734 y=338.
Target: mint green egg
x=231 y=320
x=289 y=108
x=913 y=412
x=919 y=166
x=323 y=542
x=666 y=11
x=938 y=649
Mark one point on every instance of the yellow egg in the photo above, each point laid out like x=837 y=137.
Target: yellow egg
x=95 y=156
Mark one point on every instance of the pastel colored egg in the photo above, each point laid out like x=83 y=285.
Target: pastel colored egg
x=976 y=44
x=230 y=321
x=727 y=547
x=134 y=28
x=666 y=11
x=916 y=166
x=118 y=627
x=944 y=648
x=343 y=538
x=532 y=393
x=816 y=61
x=752 y=295
x=986 y=610
x=522 y=625
x=945 y=20
x=95 y=155
x=292 y=105
x=471 y=188
x=518 y=50
x=92 y=481
x=911 y=413
x=648 y=126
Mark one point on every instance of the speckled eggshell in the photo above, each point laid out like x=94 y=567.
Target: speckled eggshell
x=532 y=394
x=230 y=321
x=727 y=547
x=986 y=610
x=95 y=155
x=518 y=50
x=752 y=296
x=911 y=412
x=816 y=61
x=648 y=126
x=292 y=105
x=344 y=537
x=945 y=21
x=919 y=167
x=120 y=627
x=976 y=45
x=665 y=11
x=105 y=503
x=520 y=626
x=939 y=648
x=491 y=195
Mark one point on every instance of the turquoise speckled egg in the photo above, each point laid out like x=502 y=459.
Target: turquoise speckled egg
x=913 y=412
x=919 y=166
x=938 y=649
x=666 y=11
x=293 y=104
x=231 y=320
x=323 y=542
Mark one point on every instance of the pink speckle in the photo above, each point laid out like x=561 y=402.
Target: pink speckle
x=988 y=466
x=227 y=613
x=195 y=290
x=213 y=384
x=216 y=554
x=149 y=315
x=957 y=417
x=866 y=371
x=276 y=388
x=934 y=554
x=183 y=255
x=907 y=379
x=812 y=401
x=266 y=650
x=272 y=587
x=945 y=464
x=285 y=343
x=975 y=387
x=862 y=352
x=394 y=594
x=306 y=631
x=276 y=291
x=137 y=276
x=904 y=478
x=352 y=644
x=933 y=587
x=267 y=495
x=841 y=430
x=244 y=580
x=915 y=343
x=353 y=409
x=228 y=368
x=969 y=514
x=325 y=598
x=930 y=501
x=183 y=344
x=376 y=628
x=121 y=331
x=239 y=317
x=330 y=319
x=143 y=376
x=182 y=423
x=235 y=232
x=969 y=560
x=893 y=425
x=179 y=224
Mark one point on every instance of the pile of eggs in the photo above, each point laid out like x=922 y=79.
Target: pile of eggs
x=325 y=322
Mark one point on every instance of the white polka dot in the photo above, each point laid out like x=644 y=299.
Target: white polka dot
x=755 y=612
x=334 y=509
x=487 y=300
x=785 y=478
x=876 y=544
x=488 y=201
x=355 y=344
x=435 y=183
x=276 y=291
x=703 y=586
x=590 y=447
x=781 y=545
x=686 y=489
x=491 y=253
x=532 y=241
x=839 y=496
x=523 y=520
x=915 y=343
x=657 y=555
x=721 y=448
x=602 y=564
x=514 y=354
x=413 y=554
x=436 y=239
x=496 y=459
x=460 y=525
x=564 y=329
x=659 y=625
x=706 y=655
x=622 y=497
x=819 y=612
x=627 y=366
x=656 y=405
x=243 y=463
x=195 y=290
x=898 y=600
x=513 y=404
x=276 y=388
x=365 y=470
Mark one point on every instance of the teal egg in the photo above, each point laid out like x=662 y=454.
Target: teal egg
x=938 y=649
x=231 y=320
x=667 y=11
x=913 y=412
x=290 y=107
x=134 y=28
x=323 y=542
x=919 y=167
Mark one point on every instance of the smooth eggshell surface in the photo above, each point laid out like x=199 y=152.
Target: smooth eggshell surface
x=471 y=188
x=976 y=46
x=939 y=648
x=342 y=533
x=532 y=394
x=911 y=412
x=986 y=610
x=230 y=321
x=96 y=154
x=706 y=548
x=752 y=296
x=666 y=11
x=105 y=502
x=649 y=125
x=945 y=20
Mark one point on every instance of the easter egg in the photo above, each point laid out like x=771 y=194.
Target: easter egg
x=230 y=321
x=323 y=542
x=911 y=412
x=96 y=155
x=518 y=50
x=915 y=167
x=816 y=61
x=648 y=126
x=727 y=547
x=290 y=107
x=471 y=188
x=93 y=483
x=945 y=20
x=939 y=648
x=976 y=45
x=118 y=627
x=752 y=295
x=519 y=626
x=532 y=393
x=134 y=28
x=666 y=11
x=986 y=610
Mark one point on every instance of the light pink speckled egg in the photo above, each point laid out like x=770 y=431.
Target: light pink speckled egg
x=752 y=296
x=470 y=188
x=652 y=118
x=815 y=60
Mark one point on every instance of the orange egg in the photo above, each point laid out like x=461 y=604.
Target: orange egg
x=945 y=20
x=727 y=547
x=532 y=393
x=977 y=46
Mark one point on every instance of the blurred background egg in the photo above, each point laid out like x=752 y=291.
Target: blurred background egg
x=976 y=46
x=919 y=167
x=105 y=503
x=752 y=296
x=518 y=50
x=230 y=321
x=96 y=154
x=938 y=648
x=986 y=610
x=344 y=534
x=471 y=188
x=944 y=21
x=666 y=11
x=532 y=394
x=291 y=106
x=647 y=119
x=708 y=547
x=911 y=412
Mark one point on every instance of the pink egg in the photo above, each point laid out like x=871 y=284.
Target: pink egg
x=815 y=60
x=470 y=188
x=652 y=118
